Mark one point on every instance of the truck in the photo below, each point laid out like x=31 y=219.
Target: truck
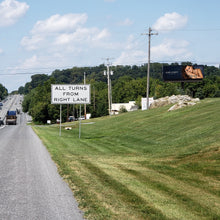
x=11 y=118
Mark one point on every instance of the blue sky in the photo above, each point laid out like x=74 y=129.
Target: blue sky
x=44 y=35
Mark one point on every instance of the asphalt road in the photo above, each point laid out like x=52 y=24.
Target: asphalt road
x=30 y=186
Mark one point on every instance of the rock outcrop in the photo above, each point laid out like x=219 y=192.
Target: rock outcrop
x=180 y=101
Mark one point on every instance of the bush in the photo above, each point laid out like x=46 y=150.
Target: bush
x=199 y=94
x=122 y=109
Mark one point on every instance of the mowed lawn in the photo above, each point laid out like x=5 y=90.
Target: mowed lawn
x=150 y=164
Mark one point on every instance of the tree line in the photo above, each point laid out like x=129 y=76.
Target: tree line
x=128 y=84
x=3 y=92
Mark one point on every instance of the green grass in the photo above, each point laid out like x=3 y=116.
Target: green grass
x=150 y=164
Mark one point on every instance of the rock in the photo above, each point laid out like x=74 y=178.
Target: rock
x=180 y=101
x=195 y=100
x=173 y=99
x=68 y=128
x=160 y=102
x=181 y=105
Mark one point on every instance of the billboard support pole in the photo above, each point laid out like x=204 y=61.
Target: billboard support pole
x=182 y=85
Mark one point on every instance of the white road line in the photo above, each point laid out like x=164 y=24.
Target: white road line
x=1 y=127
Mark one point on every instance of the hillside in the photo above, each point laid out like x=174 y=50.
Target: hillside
x=127 y=84
x=150 y=164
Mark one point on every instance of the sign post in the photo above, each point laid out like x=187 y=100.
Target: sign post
x=80 y=122
x=70 y=94
x=60 y=118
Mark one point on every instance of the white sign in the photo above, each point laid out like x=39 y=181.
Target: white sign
x=144 y=103
x=70 y=94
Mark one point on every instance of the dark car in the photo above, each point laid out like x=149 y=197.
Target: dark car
x=71 y=118
x=1 y=122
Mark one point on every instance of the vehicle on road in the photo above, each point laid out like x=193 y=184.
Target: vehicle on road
x=11 y=118
x=71 y=118
x=1 y=122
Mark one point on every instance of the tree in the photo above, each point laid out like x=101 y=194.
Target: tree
x=3 y=92
x=166 y=89
x=21 y=90
x=128 y=84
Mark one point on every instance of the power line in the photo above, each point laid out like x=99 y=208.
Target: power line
x=193 y=29
x=26 y=71
x=13 y=74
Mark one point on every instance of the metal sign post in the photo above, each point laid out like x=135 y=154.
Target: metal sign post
x=60 y=118
x=79 y=121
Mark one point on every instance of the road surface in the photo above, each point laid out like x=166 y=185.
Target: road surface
x=30 y=187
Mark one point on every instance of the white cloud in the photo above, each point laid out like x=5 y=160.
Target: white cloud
x=38 y=62
x=30 y=63
x=82 y=35
x=11 y=11
x=61 y=32
x=126 y=22
x=99 y=35
x=170 y=21
x=32 y=43
x=58 y=23
x=60 y=40
x=131 y=57
x=131 y=53
x=171 y=49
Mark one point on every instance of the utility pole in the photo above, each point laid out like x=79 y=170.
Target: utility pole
x=109 y=85
x=93 y=98
x=148 y=66
x=84 y=104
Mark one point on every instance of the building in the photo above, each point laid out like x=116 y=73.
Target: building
x=116 y=107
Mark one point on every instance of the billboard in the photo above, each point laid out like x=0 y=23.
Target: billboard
x=70 y=94
x=183 y=73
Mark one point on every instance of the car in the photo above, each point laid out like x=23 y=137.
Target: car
x=1 y=122
x=1 y=104
x=71 y=118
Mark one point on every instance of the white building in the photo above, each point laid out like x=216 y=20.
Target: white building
x=116 y=107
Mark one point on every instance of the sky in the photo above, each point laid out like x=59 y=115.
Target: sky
x=44 y=35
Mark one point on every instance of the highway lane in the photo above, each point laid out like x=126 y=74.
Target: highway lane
x=7 y=105
x=30 y=187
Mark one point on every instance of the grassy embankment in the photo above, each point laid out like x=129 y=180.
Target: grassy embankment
x=145 y=164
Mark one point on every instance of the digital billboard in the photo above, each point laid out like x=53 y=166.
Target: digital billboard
x=183 y=73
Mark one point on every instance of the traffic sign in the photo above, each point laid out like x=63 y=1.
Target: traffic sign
x=70 y=94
